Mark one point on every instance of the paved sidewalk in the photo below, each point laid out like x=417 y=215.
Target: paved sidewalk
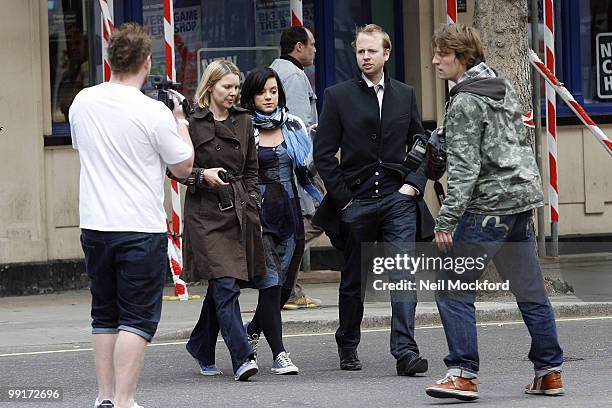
x=60 y=321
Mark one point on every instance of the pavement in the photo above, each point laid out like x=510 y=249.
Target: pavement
x=61 y=320
x=170 y=378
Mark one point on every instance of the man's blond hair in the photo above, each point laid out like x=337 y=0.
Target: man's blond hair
x=212 y=74
x=373 y=29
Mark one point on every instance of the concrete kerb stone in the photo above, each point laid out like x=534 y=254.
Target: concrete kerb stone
x=422 y=320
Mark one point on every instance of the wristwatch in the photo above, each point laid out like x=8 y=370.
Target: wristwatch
x=183 y=121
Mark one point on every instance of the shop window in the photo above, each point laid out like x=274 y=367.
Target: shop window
x=75 y=53
x=350 y=14
x=596 y=34
x=70 y=59
x=246 y=32
x=581 y=27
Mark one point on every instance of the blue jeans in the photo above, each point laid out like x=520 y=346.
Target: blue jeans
x=126 y=270
x=508 y=240
x=220 y=311
x=390 y=219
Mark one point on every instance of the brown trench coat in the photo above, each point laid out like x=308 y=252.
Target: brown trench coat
x=224 y=243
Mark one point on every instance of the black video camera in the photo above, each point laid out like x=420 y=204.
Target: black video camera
x=417 y=153
x=162 y=85
x=436 y=155
x=431 y=149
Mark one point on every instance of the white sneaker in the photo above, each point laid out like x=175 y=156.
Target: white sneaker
x=104 y=404
x=283 y=364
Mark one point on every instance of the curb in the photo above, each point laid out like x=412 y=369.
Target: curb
x=422 y=320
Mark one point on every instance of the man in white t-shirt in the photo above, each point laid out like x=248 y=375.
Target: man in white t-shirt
x=125 y=142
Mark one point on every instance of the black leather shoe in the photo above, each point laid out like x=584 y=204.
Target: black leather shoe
x=410 y=365
x=348 y=359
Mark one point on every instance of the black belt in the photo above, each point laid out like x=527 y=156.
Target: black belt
x=225 y=193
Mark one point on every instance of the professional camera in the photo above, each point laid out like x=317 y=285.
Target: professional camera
x=223 y=176
x=430 y=149
x=417 y=153
x=162 y=85
x=436 y=155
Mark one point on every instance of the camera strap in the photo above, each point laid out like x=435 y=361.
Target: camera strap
x=440 y=194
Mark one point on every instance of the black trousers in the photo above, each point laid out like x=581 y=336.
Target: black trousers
x=390 y=219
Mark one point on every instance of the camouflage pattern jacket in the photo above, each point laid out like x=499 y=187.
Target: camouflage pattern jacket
x=491 y=168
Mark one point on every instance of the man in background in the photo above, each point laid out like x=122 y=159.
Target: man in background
x=297 y=52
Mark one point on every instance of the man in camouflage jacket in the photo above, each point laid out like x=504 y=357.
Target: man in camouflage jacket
x=493 y=184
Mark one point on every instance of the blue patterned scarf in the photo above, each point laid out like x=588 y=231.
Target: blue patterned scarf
x=299 y=145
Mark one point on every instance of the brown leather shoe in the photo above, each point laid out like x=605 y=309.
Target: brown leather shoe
x=550 y=385
x=463 y=389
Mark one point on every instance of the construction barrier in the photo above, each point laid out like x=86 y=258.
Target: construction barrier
x=570 y=101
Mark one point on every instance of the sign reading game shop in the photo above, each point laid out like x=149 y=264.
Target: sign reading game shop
x=604 y=65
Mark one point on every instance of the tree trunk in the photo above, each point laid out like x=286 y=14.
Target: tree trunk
x=503 y=29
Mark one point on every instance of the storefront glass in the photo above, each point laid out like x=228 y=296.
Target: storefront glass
x=70 y=60
x=347 y=16
x=596 y=35
x=75 y=52
x=246 y=32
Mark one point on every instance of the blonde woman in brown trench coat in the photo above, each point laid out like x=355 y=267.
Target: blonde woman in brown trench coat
x=223 y=242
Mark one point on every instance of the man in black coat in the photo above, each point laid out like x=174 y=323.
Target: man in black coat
x=372 y=196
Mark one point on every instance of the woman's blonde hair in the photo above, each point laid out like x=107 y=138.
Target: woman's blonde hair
x=212 y=74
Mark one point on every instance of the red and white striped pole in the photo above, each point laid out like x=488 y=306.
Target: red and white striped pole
x=174 y=237
x=106 y=6
x=297 y=16
x=570 y=101
x=551 y=124
x=451 y=11
x=169 y=39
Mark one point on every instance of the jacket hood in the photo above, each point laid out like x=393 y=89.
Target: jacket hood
x=494 y=88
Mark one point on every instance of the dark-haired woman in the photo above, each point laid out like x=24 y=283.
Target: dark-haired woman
x=283 y=150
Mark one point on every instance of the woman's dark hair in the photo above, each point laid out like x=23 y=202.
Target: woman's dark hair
x=255 y=83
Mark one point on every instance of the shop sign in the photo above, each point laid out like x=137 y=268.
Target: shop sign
x=461 y=6
x=603 y=43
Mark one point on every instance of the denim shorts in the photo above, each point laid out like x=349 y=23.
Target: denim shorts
x=126 y=272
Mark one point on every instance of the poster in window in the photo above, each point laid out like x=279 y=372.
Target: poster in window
x=271 y=18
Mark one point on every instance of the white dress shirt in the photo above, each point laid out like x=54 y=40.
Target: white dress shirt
x=379 y=89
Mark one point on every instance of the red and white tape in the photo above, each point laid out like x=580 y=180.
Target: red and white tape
x=528 y=120
x=174 y=237
x=106 y=6
x=451 y=11
x=570 y=101
x=297 y=18
x=551 y=113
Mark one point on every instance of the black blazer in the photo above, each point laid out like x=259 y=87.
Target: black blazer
x=350 y=122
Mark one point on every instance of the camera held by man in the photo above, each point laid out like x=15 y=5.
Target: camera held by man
x=163 y=89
